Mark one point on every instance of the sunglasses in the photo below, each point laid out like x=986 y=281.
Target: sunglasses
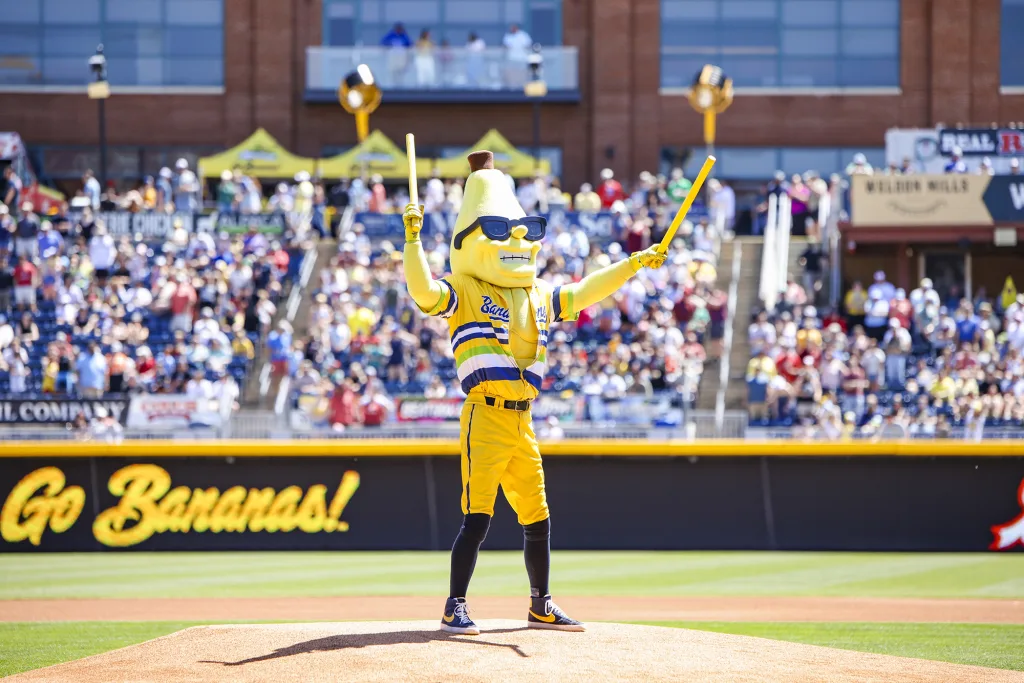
x=498 y=228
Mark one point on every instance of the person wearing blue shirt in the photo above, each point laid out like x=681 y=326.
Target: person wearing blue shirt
x=396 y=37
x=92 y=372
x=398 y=55
x=50 y=241
x=956 y=163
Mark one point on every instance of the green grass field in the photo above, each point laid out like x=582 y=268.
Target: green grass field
x=95 y=575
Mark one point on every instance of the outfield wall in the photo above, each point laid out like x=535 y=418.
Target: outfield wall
x=383 y=494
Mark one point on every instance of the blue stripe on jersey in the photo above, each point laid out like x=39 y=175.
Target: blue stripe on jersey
x=533 y=378
x=476 y=335
x=453 y=301
x=556 y=304
x=490 y=375
x=469 y=326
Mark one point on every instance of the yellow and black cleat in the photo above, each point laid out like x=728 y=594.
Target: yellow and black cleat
x=546 y=614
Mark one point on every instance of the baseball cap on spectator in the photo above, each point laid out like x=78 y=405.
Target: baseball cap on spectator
x=926 y=283
x=879 y=276
x=181 y=164
x=45 y=225
x=894 y=322
x=27 y=206
x=301 y=176
x=1014 y=163
x=957 y=152
x=586 y=187
x=618 y=206
x=115 y=347
x=901 y=293
x=225 y=175
x=607 y=174
x=3 y=209
x=165 y=172
x=859 y=159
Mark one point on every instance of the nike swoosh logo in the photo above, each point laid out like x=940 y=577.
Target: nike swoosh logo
x=549 y=619
x=448 y=619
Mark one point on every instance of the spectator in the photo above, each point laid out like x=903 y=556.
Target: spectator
x=956 y=163
x=587 y=201
x=985 y=168
x=26 y=280
x=881 y=288
x=475 y=47
x=51 y=243
x=610 y=190
x=12 y=189
x=860 y=166
x=678 y=187
x=426 y=68
x=165 y=189
x=182 y=304
x=227 y=192
x=185 y=188
x=799 y=197
x=15 y=364
x=102 y=253
x=722 y=204
x=91 y=188
x=6 y=283
x=1014 y=166
x=92 y=371
x=26 y=240
x=518 y=44
x=398 y=43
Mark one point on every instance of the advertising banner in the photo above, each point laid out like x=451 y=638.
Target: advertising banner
x=418 y=409
x=235 y=223
x=205 y=502
x=982 y=142
x=175 y=411
x=930 y=149
x=58 y=411
x=919 y=200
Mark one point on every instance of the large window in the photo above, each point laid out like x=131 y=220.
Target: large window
x=365 y=22
x=760 y=163
x=147 y=42
x=783 y=43
x=1012 y=53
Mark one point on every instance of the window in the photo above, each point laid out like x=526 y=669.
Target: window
x=760 y=163
x=147 y=42
x=365 y=22
x=791 y=43
x=1012 y=48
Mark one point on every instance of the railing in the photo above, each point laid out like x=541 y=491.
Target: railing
x=775 y=258
x=440 y=69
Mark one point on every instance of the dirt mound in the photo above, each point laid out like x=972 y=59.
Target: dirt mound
x=506 y=651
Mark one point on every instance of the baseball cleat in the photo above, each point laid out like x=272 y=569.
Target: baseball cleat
x=456 y=618
x=547 y=615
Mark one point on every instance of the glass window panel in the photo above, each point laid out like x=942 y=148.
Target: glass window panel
x=20 y=11
x=341 y=31
x=1012 y=53
x=678 y=72
x=870 y=42
x=128 y=40
x=751 y=72
x=22 y=71
x=513 y=11
x=699 y=34
x=747 y=34
x=137 y=11
x=371 y=34
x=869 y=73
x=689 y=9
x=20 y=40
x=809 y=73
x=370 y=11
x=194 y=72
x=65 y=71
x=810 y=12
x=473 y=11
x=341 y=10
x=193 y=42
x=544 y=25
x=871 y=13
x=195 y=12
x=801 y=159
x=80 y=41
x=807 y=42
x=749 y=9
x=413 y=11
x=141 y=71
x=71 y=11
x=741 y=163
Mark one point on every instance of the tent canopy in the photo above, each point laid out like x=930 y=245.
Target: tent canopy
x=377 y=154
x=507 y=158
x=259 y=155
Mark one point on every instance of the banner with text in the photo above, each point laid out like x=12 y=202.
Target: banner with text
x=159 y=226
x=935 y=200
x=176 y=411
x=58 y=411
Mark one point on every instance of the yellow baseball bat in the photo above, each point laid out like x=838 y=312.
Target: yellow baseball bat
x=687 y=203
x=410 y=150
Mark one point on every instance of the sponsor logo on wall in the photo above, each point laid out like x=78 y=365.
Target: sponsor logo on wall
x=58 y=411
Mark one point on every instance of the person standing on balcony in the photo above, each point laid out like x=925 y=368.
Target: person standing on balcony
x=518 y=44
x=426 y=68
x=398 y=42
x=475 y=47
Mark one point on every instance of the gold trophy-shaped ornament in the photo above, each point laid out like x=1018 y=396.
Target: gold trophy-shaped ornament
x=360 y=96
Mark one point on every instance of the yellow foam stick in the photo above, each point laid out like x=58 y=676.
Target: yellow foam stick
x=410 y=150
x=687 y=203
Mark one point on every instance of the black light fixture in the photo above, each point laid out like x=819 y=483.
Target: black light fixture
x=99 y=90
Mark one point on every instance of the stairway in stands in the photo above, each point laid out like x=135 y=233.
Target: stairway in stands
x=746 y=300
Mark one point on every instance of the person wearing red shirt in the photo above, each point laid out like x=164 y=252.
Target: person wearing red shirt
x=901 y=309
x=345 y=409
x=610 y=190
x=26 y=280
x=789 y=363
x=280 y=258
x=183 y=304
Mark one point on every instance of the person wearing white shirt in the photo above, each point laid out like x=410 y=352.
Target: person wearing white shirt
x=882 y=288
x=102 y=252
x=206 y=327
x=225 y=390
x=877 y=316
x=761 y=334
x=433 y=196
x=199 y=387
x=924 y=295
x=722 y=204
x=517 y=44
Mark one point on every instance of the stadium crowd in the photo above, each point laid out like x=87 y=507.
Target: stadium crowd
x=366 y=343
x=84 y=313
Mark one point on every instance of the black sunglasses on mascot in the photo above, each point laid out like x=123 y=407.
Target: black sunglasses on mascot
x=499 y=228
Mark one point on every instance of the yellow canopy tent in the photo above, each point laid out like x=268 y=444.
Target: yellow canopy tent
x=377 y=154
x=259 y=155
x=506 y=158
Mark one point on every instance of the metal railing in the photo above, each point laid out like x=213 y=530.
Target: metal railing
x=775 y=258
x=440 y=69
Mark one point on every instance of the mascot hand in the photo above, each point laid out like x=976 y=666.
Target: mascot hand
x=413 y=220
x=648 y=258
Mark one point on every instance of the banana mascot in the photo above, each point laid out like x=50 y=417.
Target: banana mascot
x=499 y=315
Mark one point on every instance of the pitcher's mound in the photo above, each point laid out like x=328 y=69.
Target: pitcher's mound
x=506 y=651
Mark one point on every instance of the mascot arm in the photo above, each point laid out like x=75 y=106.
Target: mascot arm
x=570 y=299
x=427 y=292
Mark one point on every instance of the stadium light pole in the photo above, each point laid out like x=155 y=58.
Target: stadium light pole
x=99 y=90
x=536 y=89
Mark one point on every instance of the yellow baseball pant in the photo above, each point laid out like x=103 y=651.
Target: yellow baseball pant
x=499 y=447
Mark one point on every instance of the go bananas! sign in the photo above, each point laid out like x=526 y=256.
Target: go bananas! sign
x=146 y=503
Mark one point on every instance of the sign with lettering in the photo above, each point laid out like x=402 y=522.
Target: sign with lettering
x=919 y=200
x=55 y=411
x=982 y=142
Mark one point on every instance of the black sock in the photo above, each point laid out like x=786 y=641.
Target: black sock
x=537 y=551
x=465 y=551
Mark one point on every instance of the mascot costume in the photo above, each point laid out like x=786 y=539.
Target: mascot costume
x=499 y=315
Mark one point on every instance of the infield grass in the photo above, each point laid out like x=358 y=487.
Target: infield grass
x=29 y=646
x=285 y=574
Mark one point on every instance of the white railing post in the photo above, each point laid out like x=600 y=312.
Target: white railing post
x=782 y=235
x=767 y=289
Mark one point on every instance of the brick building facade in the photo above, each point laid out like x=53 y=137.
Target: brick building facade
x=949 y=72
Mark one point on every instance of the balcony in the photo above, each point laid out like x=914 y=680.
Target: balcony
x=447 y=75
